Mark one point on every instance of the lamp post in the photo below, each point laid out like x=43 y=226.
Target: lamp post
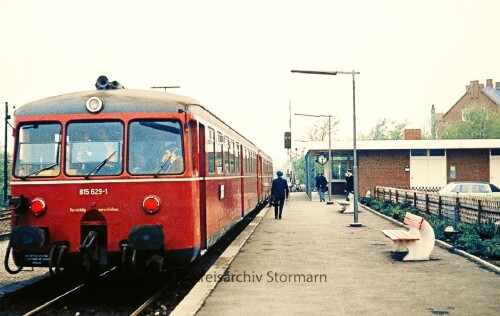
x=5 y=156
x=329 y=153
x=355 y=167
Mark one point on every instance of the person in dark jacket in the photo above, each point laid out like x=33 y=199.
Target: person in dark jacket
x=349 y=184
x=280 y=191
x=321 y=185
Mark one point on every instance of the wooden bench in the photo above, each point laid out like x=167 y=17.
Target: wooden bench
x=418 y=240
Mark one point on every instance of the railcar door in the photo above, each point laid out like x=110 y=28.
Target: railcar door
x=259 y=178
x=203 y=200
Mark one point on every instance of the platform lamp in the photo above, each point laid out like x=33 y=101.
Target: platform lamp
x=355 y=167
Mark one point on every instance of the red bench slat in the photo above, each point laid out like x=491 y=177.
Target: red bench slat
x=413 y=220
x=398 y=235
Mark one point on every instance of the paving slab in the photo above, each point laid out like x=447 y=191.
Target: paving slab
x=313 y=262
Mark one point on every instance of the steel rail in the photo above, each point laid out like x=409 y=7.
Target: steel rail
x=50 y=303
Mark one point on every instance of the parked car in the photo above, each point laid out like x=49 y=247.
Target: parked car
x=470 y=188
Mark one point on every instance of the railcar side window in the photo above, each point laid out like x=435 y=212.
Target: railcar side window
x=210 y=148
x=231 y=160
x=94 y=148
x=226 y=155
x=237 y=158
x=155 y=147
x=220 y=150
x=38 y=150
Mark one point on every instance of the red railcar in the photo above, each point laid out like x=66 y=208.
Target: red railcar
x=127 y=177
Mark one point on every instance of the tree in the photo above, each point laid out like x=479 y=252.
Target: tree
x=387 y=129
x=478 y=123
x=1 y=175
x=299 y=165
x=319 y=131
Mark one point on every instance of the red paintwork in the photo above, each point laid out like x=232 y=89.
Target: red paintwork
x=180 y=209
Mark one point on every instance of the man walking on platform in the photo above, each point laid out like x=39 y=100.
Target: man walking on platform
x=321 y=185
x=280 y=191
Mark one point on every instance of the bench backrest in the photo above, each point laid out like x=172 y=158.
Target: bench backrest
x=413 y=220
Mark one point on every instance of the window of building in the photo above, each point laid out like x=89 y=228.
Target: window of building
x=436 y=152
x=418 y=152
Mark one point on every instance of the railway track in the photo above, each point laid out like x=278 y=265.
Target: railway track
x=115 y=293
x=4 y=223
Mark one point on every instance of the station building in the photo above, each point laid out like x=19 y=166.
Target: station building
x=409 y=163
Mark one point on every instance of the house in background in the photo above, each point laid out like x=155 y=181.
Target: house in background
x=407 y=163
x=476 y=94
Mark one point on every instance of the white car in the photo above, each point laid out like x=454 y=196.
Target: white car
x=470 y=188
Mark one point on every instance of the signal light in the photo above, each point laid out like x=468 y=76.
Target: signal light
x=38 y=206
x=151 y=204
x=288 y=139
x=94 y=105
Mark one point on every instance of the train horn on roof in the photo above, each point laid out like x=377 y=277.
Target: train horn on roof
x=103 y=83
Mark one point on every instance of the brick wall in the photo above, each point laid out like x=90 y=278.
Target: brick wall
x=470 y=164
x=412 y=134
x=383 y=168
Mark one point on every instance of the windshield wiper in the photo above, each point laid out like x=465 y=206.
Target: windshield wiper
x=40 y=170
x=99 y=166
x=165 y=162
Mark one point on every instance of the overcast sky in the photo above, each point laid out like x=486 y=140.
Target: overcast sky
x=236 y=56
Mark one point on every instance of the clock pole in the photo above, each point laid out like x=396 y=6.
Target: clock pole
x=329 y=161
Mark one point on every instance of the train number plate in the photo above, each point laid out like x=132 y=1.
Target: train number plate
x=98 y=191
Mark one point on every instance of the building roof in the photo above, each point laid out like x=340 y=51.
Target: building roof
x=493 y=94
x=406 y=144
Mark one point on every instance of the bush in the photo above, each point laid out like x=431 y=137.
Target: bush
x=407 y=204
x=492 y=248
x=471 y=243
x=482 y=240
x=376 y=205
x=487 y=230
x=366 y=201
x=398 y=213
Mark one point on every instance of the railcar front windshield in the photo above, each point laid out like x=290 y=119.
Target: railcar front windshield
x=38 y=150
x=155 y=147
x=94 y=148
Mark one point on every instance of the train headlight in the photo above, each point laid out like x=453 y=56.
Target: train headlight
x=94 y=104
x=151 y=204
x=38 y=206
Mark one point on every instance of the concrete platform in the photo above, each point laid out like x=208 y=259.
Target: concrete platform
x=312 y=262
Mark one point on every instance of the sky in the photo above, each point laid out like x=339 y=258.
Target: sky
x=236 y=57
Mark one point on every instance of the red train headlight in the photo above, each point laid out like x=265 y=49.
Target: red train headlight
x=38 y=206
x=151 y=204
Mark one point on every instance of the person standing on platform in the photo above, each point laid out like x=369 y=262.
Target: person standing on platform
x=321 y=185
x=280 y=191
x=316 y=181
x=349 y=184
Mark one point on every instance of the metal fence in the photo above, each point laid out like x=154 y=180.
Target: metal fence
x=471 y=210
